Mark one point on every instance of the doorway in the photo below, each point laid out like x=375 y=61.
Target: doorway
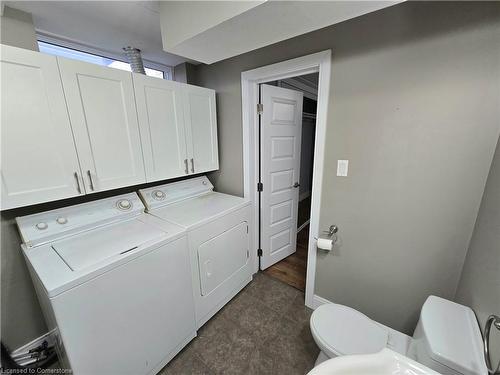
x=319 y=63
x=287 y=129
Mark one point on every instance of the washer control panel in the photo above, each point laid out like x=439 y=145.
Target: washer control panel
x=41 y=225
x=124 y=204
x=61 y=220
x=48 y=226
x=158 y=195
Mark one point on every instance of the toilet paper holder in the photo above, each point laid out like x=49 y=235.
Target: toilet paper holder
x=331 y=232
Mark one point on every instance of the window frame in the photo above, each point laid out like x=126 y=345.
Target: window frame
x=168 y=71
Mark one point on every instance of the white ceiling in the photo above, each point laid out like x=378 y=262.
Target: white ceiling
x=261 y=25
x=104 y=25
x=110 y=25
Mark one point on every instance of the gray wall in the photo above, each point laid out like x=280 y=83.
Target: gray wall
x=414 y=107
x=17 y=29
x=184 y=72
x=479 y=285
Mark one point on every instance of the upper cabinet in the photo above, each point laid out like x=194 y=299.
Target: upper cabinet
x=39 y=160
x=161 y=120
x=201 y=129
x=70 y=128
x=103 y=116
x=178 y=128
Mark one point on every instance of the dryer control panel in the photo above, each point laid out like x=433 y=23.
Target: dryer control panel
x=159 y=196
x=48 y=226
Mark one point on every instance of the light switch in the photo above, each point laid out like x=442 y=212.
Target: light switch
x=342 y=168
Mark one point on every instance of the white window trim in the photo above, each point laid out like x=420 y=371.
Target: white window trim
x=168 y=71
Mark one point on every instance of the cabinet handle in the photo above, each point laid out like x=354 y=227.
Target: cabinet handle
x=90 y=180
x=77 y=183
x=192 y=165
x=186 y=164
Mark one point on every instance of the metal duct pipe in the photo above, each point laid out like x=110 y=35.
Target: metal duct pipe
x=135 y=59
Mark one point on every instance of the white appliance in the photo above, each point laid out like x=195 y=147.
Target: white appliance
x=219 y=230
x=385 y=362
x=447 y=338
x=115 y=287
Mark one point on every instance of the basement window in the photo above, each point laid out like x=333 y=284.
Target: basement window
x=151 y=69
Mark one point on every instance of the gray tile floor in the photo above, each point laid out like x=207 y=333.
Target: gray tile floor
x=263 y=330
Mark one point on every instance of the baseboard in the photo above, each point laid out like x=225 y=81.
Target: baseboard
x=318 y=301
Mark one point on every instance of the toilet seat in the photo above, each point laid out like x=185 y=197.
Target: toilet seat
x=341 y=330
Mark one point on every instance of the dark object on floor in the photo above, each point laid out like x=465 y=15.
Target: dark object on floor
x=46 y=354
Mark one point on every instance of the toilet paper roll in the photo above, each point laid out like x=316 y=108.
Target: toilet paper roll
x=325 y=244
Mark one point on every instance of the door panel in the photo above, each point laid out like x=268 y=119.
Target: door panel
x=161 y=122
x=102 y=110
x=281 y=129
x=201 y=129
x=39 y=160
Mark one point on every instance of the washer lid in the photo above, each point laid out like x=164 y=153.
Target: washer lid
x=82 y=251
x=453 y=335
x=64 y=264
x=347 y=331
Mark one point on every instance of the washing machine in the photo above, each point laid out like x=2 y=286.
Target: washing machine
x=114 y=286
x=219 y=230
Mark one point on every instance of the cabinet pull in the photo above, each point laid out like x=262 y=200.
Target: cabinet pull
x=186 y=164
x=78 y=188
x=192 y=165
x=90 y=180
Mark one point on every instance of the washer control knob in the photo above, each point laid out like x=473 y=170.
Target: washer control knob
x=124 y=204
x=61 y=220
x=41 y=226
x=158 y=195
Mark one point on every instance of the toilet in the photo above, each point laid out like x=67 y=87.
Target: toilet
x=447 y=338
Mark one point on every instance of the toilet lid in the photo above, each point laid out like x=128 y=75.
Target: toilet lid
x=340 y=330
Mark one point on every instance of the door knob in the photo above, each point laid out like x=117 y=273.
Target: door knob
x=296 y=185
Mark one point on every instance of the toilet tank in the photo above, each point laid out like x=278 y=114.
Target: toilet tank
x=447 y=339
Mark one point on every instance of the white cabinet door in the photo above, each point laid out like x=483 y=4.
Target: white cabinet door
x=39 y=160
x=103 y=116
x=201 y=129
x=161 y=122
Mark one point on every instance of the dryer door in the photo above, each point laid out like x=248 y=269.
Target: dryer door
x=220 y=261
x=222 y=256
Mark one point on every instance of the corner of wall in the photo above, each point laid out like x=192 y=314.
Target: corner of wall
x=17 y=29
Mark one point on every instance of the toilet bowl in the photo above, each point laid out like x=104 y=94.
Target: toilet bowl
x=447 y=338
x=340 y=330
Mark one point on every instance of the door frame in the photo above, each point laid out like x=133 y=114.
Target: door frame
x=319 y=62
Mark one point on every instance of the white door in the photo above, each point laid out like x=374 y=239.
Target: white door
x=39 y=160
x=161 y=122
x=201 y=129
x=102 y=111
x=281 y=127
